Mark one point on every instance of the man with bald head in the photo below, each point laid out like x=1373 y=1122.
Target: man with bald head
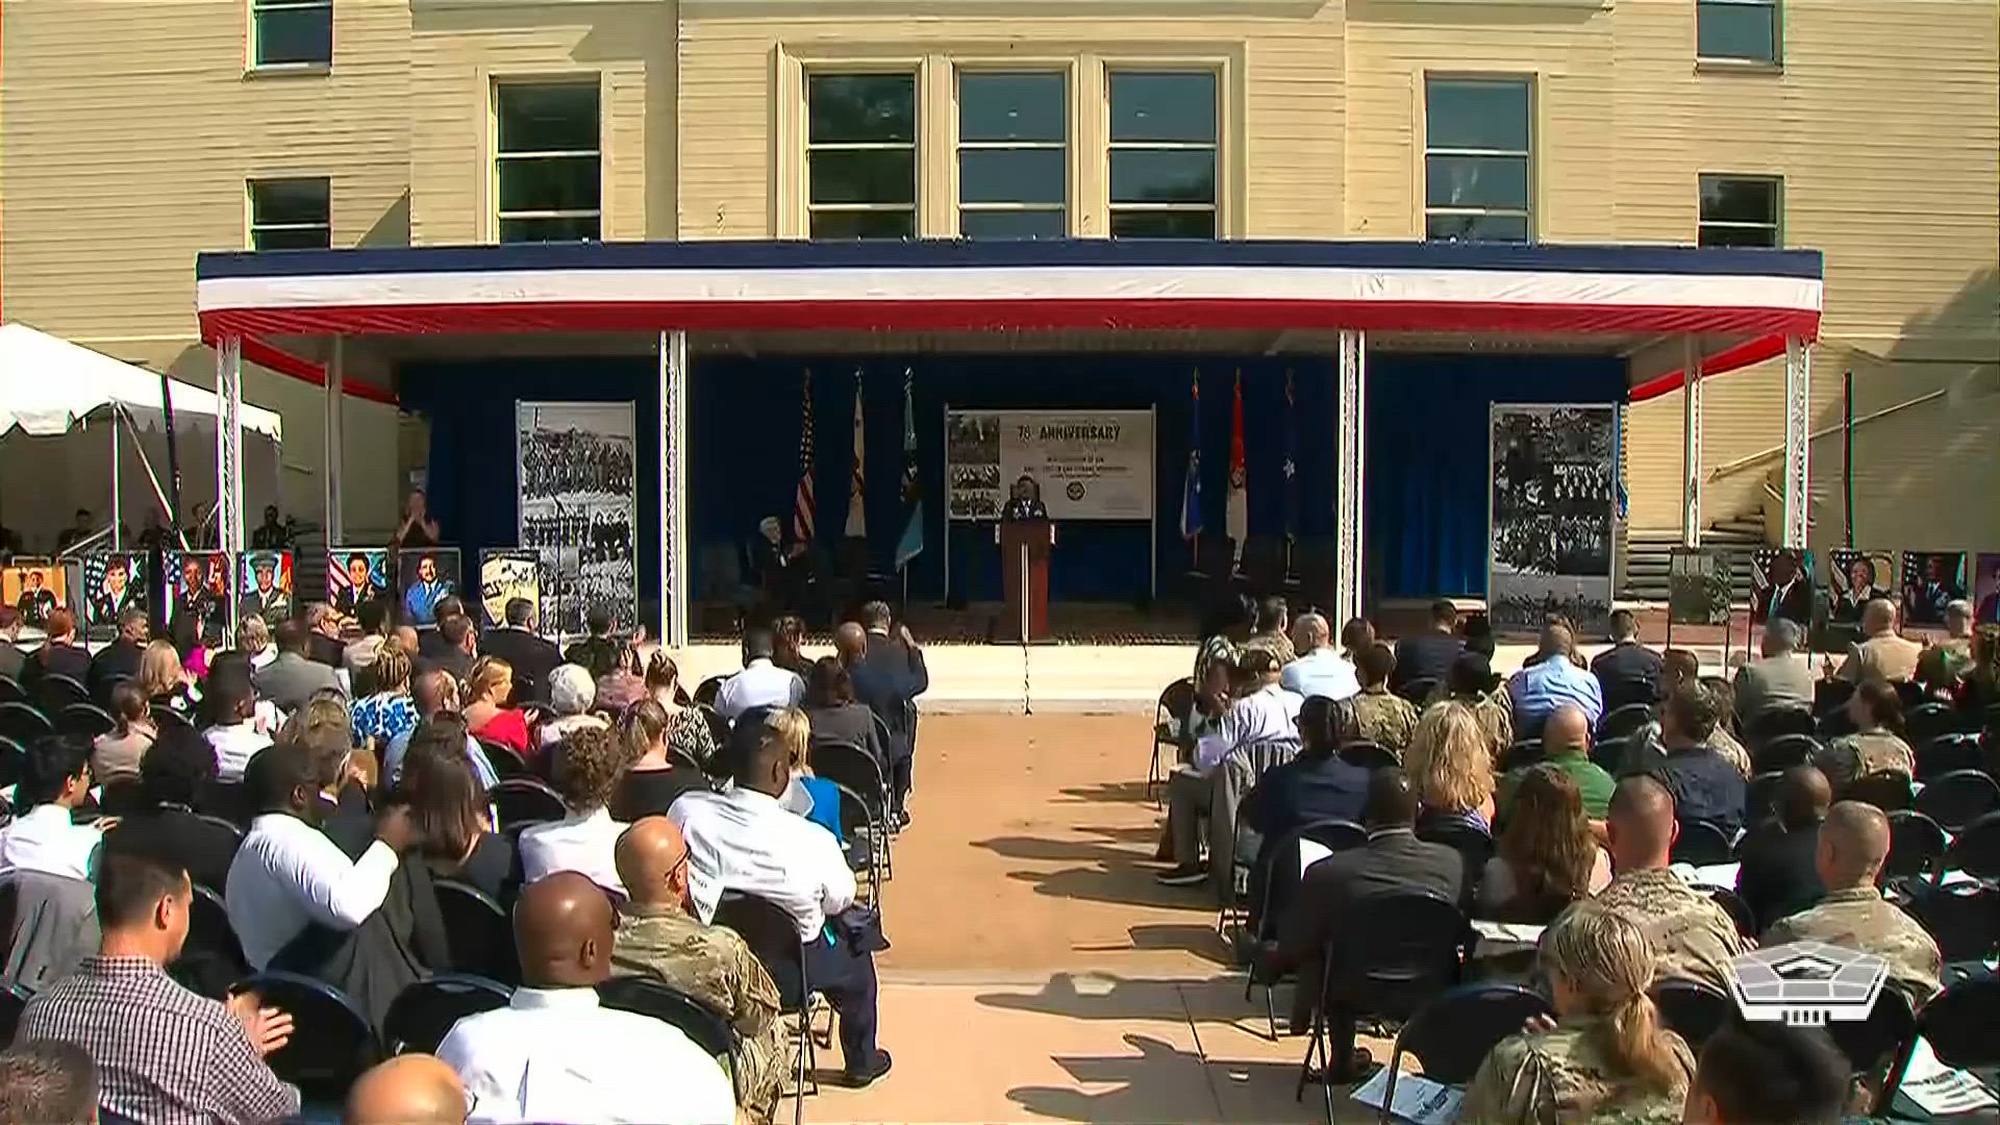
x=406 y=1090
x=1319 y=669
x=659 y=937
x=1779 y=871
x=1551 y=680
x=1566 y=746
x=1881 y=651
x=553 y=1054
x=1692 y=936
x=1853 y=843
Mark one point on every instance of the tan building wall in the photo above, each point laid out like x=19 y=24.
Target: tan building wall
x=127 y=128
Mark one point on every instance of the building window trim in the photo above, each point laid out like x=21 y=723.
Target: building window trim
x=253 y=40
x=1528 y=213
x=1776 y=61
x=254 y=230
x=1065 y=71
x=1217 y=148
x=1776 y=226
x=807 y=147
x=498 y=215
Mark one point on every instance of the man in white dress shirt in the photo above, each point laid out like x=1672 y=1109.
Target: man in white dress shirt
x=235 y=736
x=1263 y=710
x=760 y=683
x=554 y=1054
x=288 y=875
x=1320 y=669
x=745 y=841
x=55 y=779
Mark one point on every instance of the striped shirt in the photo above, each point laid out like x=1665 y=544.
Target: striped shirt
x=164 y=1055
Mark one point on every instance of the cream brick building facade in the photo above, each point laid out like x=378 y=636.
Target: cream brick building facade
x=129 y=129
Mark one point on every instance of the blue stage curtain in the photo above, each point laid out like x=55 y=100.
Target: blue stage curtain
x=474 y=486
x=1427 y=454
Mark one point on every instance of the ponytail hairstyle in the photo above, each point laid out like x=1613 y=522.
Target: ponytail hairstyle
x=643 y=724
x=1609 y=963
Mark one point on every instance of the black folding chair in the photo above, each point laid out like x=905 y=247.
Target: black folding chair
x=85 y=719
x=1916 y=844
x=1518 y=756
x=1975 y=851
x=1776 y=722
x=167 y=719
x=12 y=753
x=1958 y=798
x=1733 y=905
x=1963 y=918
x=774 y=940
x=704 y=692
x=721 y=761
x=1473 y=844
x=1452 y=1034
x=332 y=1042
x=1887 y=790
x=1829 y=696
x=1419 y=690
x=703 y=1025
x=55 y=691
x=1281 y=857
x=859 y=816
x=1367 y=755
x=1947 y=753
x=1783 y=752
x=1760 y=799
x=423 y=1013
x=1624 y=721
x=1958 y=1023
x=1701 y=843
x=226 y=801
x=23 y=723
x=13 y=999
x=1889 y=1033
x=11 y=690
x=505 y=762
x=1692 y=1011
x=211 y=959
x=1928 y=720
x=1408 y=953
x=854 y=769
x=1609 y=754
x=521 y=801
x=1169 y=720
x=478 y=931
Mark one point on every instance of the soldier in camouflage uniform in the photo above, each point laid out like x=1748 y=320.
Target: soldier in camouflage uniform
x=1693 y=938
x=1600 y=966
x=1384 y=718
x=1874 y=750
x=1853 y=842
x=659 y=937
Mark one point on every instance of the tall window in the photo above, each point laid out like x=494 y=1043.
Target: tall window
x=1164 y=126
x=1745 y=30
x=1477 y=159
x=861 y=155
x=1741 y=210
x=1013 y=157
x=547 y=164
x=291 y=32
x=290 y=214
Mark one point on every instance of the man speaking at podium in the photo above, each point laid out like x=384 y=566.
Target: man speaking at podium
x=1026 y=503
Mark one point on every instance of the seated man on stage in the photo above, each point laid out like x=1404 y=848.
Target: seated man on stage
x=782 y=572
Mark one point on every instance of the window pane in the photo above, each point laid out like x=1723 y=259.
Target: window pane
x=291 y=238
x=288 y=201
x=549 y=183
x=1012 y=175
x=1012 y=107
x=1163 y=107
x=1476 y=181
x=835 y=225
x=1162 y=176
x=1460 y=113
x=1766 y=237
x=548 y=118
x=1013 y=224
x=1739 y=200
x=1737 y=31
x=572 y=229
x=1163 y=224
x=857 y=108
x=295 y=35
x=1476 y=228
x=875 y=175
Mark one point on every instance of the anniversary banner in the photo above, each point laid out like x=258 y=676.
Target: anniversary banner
x=1084 y=464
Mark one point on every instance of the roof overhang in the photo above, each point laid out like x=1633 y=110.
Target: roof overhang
x=1738 y=305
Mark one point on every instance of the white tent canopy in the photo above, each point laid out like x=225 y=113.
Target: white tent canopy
x=48 y=384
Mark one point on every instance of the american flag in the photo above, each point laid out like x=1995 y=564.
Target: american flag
x=802 y=504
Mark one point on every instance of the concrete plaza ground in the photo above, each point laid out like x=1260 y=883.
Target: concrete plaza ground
x=1038 y=972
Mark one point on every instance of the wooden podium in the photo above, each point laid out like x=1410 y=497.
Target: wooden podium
x=1024 y=564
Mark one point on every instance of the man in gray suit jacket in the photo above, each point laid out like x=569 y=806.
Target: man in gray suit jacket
x=1784 y=678
x=292 y=678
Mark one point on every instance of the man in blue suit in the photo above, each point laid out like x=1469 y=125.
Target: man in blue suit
x=888 y=672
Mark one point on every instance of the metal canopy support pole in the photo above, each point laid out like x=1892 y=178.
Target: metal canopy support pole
x=117 y=500
x=673 y=489
x=1349 y=487
x=1798 y=440
x=229 y=443
x=336 y=438
x=1691 y=394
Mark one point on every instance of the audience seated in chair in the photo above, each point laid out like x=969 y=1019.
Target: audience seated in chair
x=175 y=771
x=659 y=937
x=688 y=734
x=1320 y=668
x=1270 y=630
x=745 y=840
x=120 y=659
x=1261 y=710
x=1315 y=785
x=294 y=676
x=1547 y=856
x=487 y=693
x=1877 y=743
x=388 y=711
x=436 y=695
x=761 y=683
x=1853 y=843
x=555 y=1054
x=1627 y=672
x=162 y=1052
x=600 y=652
x=572 y=691
x=1331 y=894
x=231 y=702
x=1779 y=868
x=655 y=780
x=532 y=657
x=1783 y=679
x=1551 y=679
x=1757 y=1073
x=61 y=653
x=889 y=674
x=1706 y=785
x=1383 y=717
x=1471 y=682
x=448 y=805
x=588 y=767
x=1566 y=747
x=115 y=755
x=1882 y=653
x=1428 y=654
x=55 y=780
x=837 y=716
x=412 y=1089
x=1607 y=1058
x=1693 y=937
x=1451 y=765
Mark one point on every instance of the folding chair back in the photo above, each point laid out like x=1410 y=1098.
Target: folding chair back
x=773 y=938
x=1916 y=844
x=1407 y=954
x=478 y=931
x=1976 y=851
x=521 y=801
x=55 y=691
x=167 y=719
x=1928 y=720
x=1609 y=753
x=1887 y=790
x=852 y=767
x=1829 y=696
x=1419 y=690
x=423 y=1013
x=1473 y=844
x=1519 y=756
x=85 y=719
x=1776 y=722
x=1760 y=799
x=704 y=692
x=1367 y=755
x=12 y=753
x=1279 y=862
x=1947 y=753
x=505 y=762
x=23 y=723
x=1958 y=798
x=1733 y=905
x=1783 y=751
x=1452 y=1034
x=1692 y=1011
x=11 y=690
x=1625 y=721
x=1958 y=1023
x=1886 y=1036
x=1963 y=918
x=331 y=1042
x=703 y=1025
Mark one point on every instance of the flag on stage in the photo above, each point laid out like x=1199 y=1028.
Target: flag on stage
x=912 y=543
x=1191 y=486
x=857 y=508
x=802 y=503
x=1237 y=518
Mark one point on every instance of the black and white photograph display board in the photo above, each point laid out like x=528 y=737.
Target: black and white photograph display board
x=1552 y=516
x=578 y=510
